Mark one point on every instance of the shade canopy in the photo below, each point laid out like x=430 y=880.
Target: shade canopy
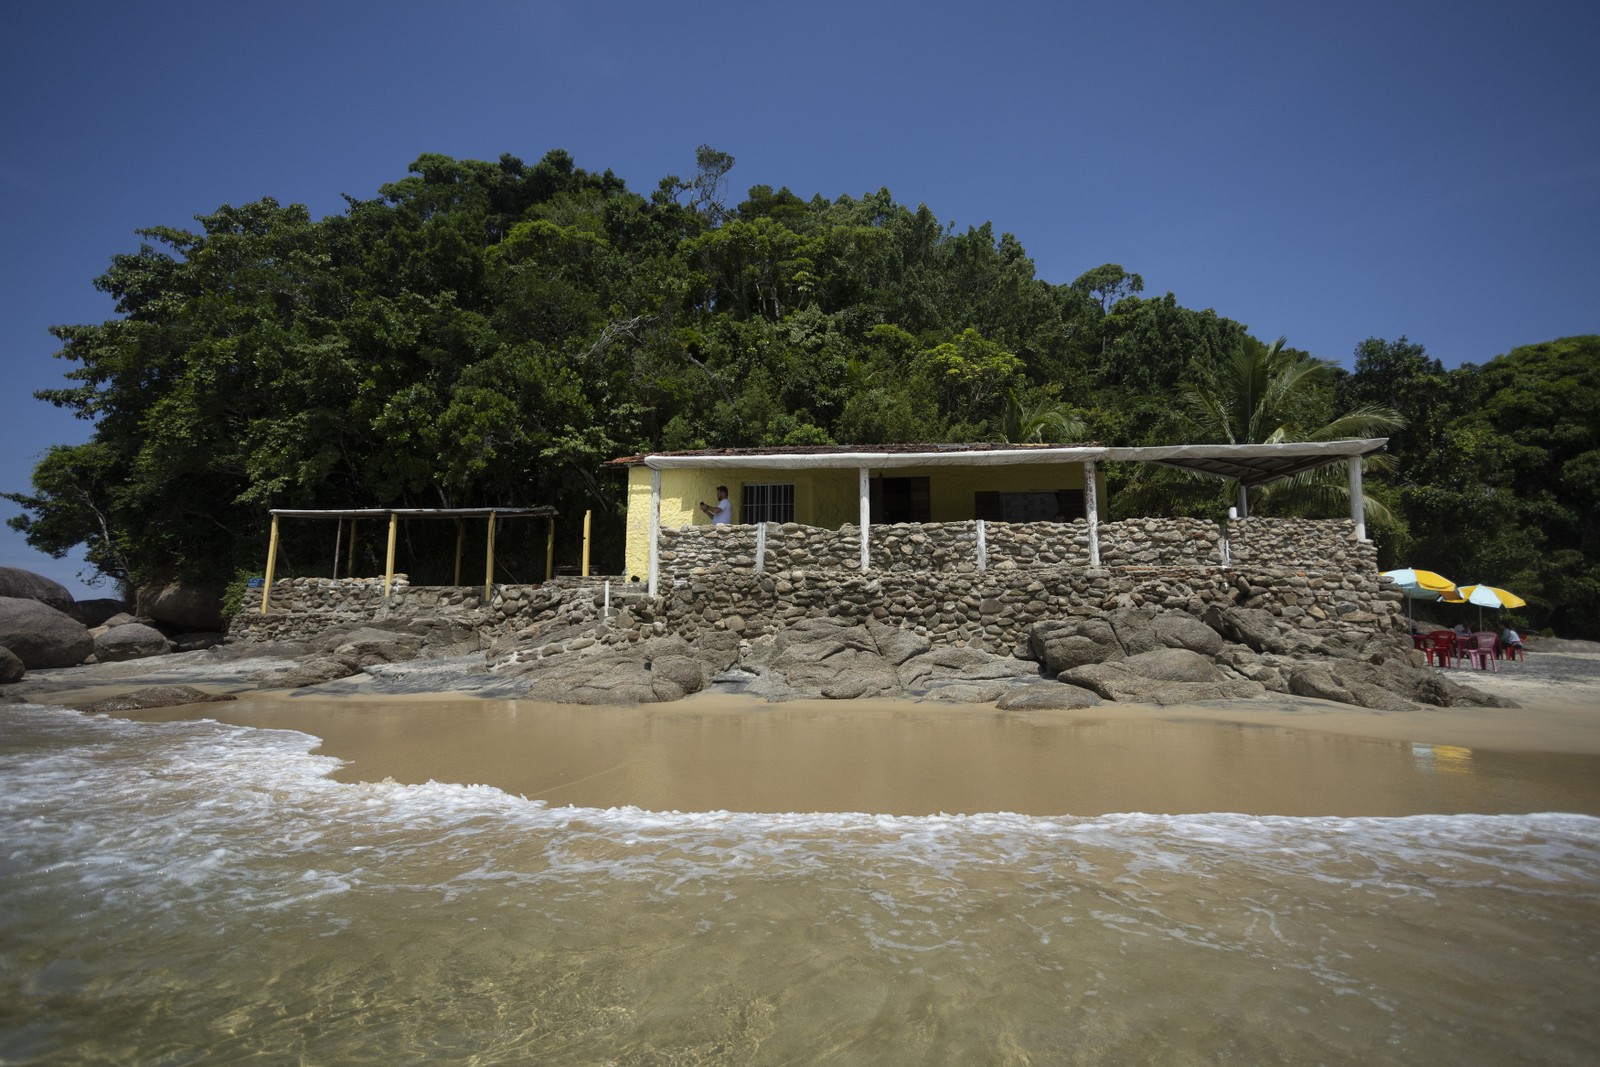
x=1485 y=596
x=1249 y=465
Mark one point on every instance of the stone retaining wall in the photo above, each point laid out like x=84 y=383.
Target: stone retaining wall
x=994 y=610
x=952 y=547
x=924 y=577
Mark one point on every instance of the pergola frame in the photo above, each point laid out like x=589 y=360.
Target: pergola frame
x=1248 y=465
x=394 y=515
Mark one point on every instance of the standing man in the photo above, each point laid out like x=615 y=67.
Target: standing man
x=722 y=513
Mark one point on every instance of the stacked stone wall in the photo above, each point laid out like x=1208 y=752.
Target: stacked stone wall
x=1314 y=574
x=946 y=547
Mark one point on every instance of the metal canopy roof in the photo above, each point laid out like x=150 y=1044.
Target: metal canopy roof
x=1250 y=465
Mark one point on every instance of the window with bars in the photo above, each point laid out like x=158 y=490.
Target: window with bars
x=767 y=502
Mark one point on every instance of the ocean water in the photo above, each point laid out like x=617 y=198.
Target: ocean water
x=193 y=892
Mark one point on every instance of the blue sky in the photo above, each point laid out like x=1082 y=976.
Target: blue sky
x=1328 y=172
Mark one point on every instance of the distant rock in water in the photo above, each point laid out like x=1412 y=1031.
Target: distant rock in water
x=40 y=636
x=26 y=585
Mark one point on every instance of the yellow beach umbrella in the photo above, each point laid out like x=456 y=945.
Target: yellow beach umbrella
x=1485 y=596
x=1420 y=585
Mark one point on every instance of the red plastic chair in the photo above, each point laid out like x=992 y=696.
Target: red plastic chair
x=1446 y=646
x=1480 y=647
x=1425 y=645
x=1511 y=652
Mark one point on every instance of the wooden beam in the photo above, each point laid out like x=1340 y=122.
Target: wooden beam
x=388 y=565
x=488 y=563
x=586 y=517
x=550 y=550
x=461 y=536
x=272 y=566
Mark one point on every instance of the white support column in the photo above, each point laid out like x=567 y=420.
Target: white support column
x=866 y=521
x=1244 y=502
x=655 y=530
x=983 y=548
x=761 y=547
x=1091 y=505
x=1358 y=505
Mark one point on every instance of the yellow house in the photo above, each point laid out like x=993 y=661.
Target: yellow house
x=835 y=486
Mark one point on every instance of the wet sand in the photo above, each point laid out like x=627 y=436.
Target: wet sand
x=1270 y=756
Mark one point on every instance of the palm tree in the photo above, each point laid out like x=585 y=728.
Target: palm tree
x=1271 y=395
x=1038 y=419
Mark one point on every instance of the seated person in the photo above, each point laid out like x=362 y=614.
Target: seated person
x=1461 y=630
x=1510 y=638
x=722 y=512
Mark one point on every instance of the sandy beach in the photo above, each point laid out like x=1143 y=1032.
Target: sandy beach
x=1277 y=755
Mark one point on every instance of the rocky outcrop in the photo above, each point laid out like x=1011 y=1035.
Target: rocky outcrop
x=26 y=585
x=155 y=696
x=130 y=641
x=12 y=669
x=660 y=669
x=183 y=605
x=40 y=636
x=97 y=612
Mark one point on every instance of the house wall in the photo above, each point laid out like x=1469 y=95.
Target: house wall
x=829 y=498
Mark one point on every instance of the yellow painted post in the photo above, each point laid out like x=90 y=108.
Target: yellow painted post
x=272 y=565
x=388 y=567
x=488 y=562
x=461 y=532
x=550 y=552
x=586 y=516
x=350 y=563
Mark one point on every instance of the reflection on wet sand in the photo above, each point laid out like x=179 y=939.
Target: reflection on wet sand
x=894 y=757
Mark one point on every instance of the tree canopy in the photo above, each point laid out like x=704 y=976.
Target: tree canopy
x=491 y=332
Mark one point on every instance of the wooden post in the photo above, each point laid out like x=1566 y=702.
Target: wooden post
x=587 y=515
x=1244 y=501
x=1358 y=504
x=866 y=521
x=461 y=534
x=350 y=562
x=655 y=530
x=488 y=562
x=1091 y=505
x=272 y=565
x=550 y=550
x=338 y=533
x=388 y=566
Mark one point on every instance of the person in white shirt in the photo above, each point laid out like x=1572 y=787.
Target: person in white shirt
x=722 y=512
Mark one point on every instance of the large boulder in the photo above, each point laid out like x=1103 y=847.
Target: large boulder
x=99 y=611
x=183 y=605
x=1133 y=630
x=11 y=668
x=1047 y=697
x=1062 y=644
x=132 y=641
x=26 y=585
x=1178 y=629
x=155 y=696
x=829 y=658
x=40 y=636
x=659 y=669
x=1125 y=680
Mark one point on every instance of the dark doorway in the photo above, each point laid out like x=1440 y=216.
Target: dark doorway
x=899 y=500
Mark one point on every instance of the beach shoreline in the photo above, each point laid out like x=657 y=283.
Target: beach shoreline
x=1276 y=754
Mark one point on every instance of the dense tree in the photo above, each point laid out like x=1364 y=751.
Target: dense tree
x=491 y=332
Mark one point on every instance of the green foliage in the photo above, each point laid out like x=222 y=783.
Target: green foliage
x=492 y=332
